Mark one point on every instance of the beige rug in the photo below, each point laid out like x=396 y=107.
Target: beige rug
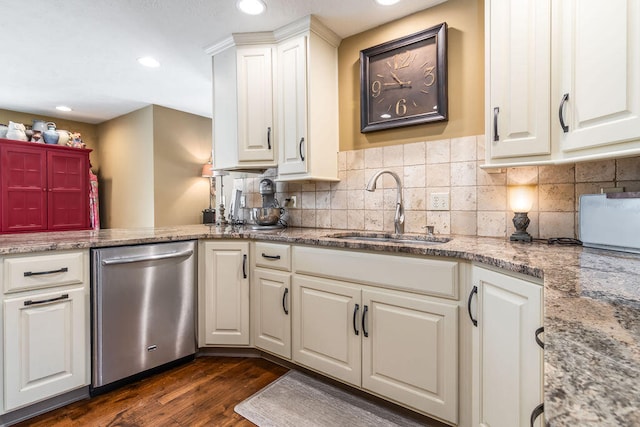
x=298 y=400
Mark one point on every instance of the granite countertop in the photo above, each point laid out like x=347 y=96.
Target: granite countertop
x=591 y=305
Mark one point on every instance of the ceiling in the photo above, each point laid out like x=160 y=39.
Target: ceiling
x=83 y=53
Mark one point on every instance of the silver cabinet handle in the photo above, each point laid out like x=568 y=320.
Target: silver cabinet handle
x=128 y=260
x=300 y=148
x=565 y=98
x=44 y=301
x=496 y=137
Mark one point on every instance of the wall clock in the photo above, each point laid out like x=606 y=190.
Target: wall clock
x=403 y=82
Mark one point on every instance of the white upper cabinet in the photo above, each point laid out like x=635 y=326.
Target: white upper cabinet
x=596 y=57
x=243 y=104
x=562 y=80
x=518 y=59
x=307 y=102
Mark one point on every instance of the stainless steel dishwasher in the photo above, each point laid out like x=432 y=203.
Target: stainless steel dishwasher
x=143 y=309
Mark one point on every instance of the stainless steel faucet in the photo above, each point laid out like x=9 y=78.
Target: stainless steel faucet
x=398 y=220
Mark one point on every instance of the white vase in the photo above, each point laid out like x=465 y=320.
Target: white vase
x=16 y=131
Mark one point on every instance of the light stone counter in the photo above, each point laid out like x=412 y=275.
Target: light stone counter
x=591 y=306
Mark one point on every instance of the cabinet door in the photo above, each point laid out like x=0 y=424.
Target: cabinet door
x=225 y=294
x=292 y=106
x=410 y=353
x=68 y=185
x=598 y=68
x=326 y=327
x=255 y=104
x=24 y=197
x=509 y=377
x=272 y=309
x=518 y=58
x=45 y=346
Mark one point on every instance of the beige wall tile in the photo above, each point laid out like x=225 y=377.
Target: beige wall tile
x=355 y=199
x=628 y=169
x=355 y=219
x=490 y=176
x=441 y=221
x=323 y=218
x=308 y=200
x=339 y=199
x=557 y=224
x=464 y=199
x=481 y=150
x=438 y=175
x=393 y=155
x=556 y=197
x=463 y=173
x=373 y=158
x=414 y=199
x=385 y=180
x=373 y=200
x=323 y=186
x=630 y=185
x=603 y=170
x=373 y=220
x=295 y=218
x=308 y=218
x=355 y=179
x=342 y=160
x=308 y=186
x=557 y=174
x=492 y=224
x=589 y=188
x=323 y=200
x=492 y=198
x=355 y=159
x=415 y=153
x=522 y=175
x=415 y=221
x=464 y=223
x=388 y=217
x=464 y=149
x=339 y=219
x=438 y=151
x=389 y=198
x=342 y=184
x=414 y=176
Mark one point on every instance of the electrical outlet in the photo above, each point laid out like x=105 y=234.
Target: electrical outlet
x=292 y=202
x=439 y=201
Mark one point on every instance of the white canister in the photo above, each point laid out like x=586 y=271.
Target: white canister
x=16 y=131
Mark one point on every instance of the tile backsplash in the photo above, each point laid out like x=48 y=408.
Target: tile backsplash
x=478 y=203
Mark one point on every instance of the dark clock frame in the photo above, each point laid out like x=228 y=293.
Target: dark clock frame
x=439 y=34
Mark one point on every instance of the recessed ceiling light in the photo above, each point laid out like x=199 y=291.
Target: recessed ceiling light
x=251 y=7
x=386 y=2
x=148 y=61
x=63 y=108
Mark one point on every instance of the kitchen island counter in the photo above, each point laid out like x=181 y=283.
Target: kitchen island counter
x=591 y=304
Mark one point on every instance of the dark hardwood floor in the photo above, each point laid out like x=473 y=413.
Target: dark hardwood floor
x=199 y=393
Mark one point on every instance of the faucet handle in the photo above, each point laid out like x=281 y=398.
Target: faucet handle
x=429 y=228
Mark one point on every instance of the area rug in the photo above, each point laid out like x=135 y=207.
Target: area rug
x=298 y=400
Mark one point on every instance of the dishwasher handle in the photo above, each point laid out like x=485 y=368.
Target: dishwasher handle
x=144 y=258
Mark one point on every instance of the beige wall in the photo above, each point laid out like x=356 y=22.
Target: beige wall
x=89 y=131
x=127 y=172
x=181 y=145
x=465 y=19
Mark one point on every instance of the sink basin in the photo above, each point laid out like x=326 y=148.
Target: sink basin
x=414 y=239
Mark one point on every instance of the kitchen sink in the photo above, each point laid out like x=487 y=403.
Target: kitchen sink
x=414 y=239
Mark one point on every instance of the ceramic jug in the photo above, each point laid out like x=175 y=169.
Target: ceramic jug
x=39 y=125
x=16 y=131
x=65 y=136
x=50 y=135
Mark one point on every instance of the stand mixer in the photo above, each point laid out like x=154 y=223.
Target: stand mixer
x=268 y=216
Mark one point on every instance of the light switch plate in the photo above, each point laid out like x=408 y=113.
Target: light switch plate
x=439 y=201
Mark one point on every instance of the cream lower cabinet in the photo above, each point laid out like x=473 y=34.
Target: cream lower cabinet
x=45 y=326
x=508 y=361
x=223 y=303
x=398 y=345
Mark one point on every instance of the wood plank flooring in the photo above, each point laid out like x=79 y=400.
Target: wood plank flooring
x=199 y=393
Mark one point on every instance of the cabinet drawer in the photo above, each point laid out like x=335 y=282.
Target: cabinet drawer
x=41 y=271
x=273 y=255
x=423 y=275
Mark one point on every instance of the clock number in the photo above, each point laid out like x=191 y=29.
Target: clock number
x=401 y=107
x=375 y=88
x=403 y=60
x=430 y=78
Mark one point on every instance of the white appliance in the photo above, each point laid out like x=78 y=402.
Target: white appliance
x=610 y=221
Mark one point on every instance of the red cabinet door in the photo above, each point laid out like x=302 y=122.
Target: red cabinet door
x=23 y=185
x=68 y=190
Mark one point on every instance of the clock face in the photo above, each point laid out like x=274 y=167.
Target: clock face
x=403 y=82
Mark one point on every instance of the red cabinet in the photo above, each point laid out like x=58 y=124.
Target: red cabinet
x=43 y=187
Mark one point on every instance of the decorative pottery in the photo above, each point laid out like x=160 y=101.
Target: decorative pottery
x=3 y=130
x=28 y=131
x=50 y=135
x=37 y=137
x=39 y=125
x=16 y=131
x=65 y=136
